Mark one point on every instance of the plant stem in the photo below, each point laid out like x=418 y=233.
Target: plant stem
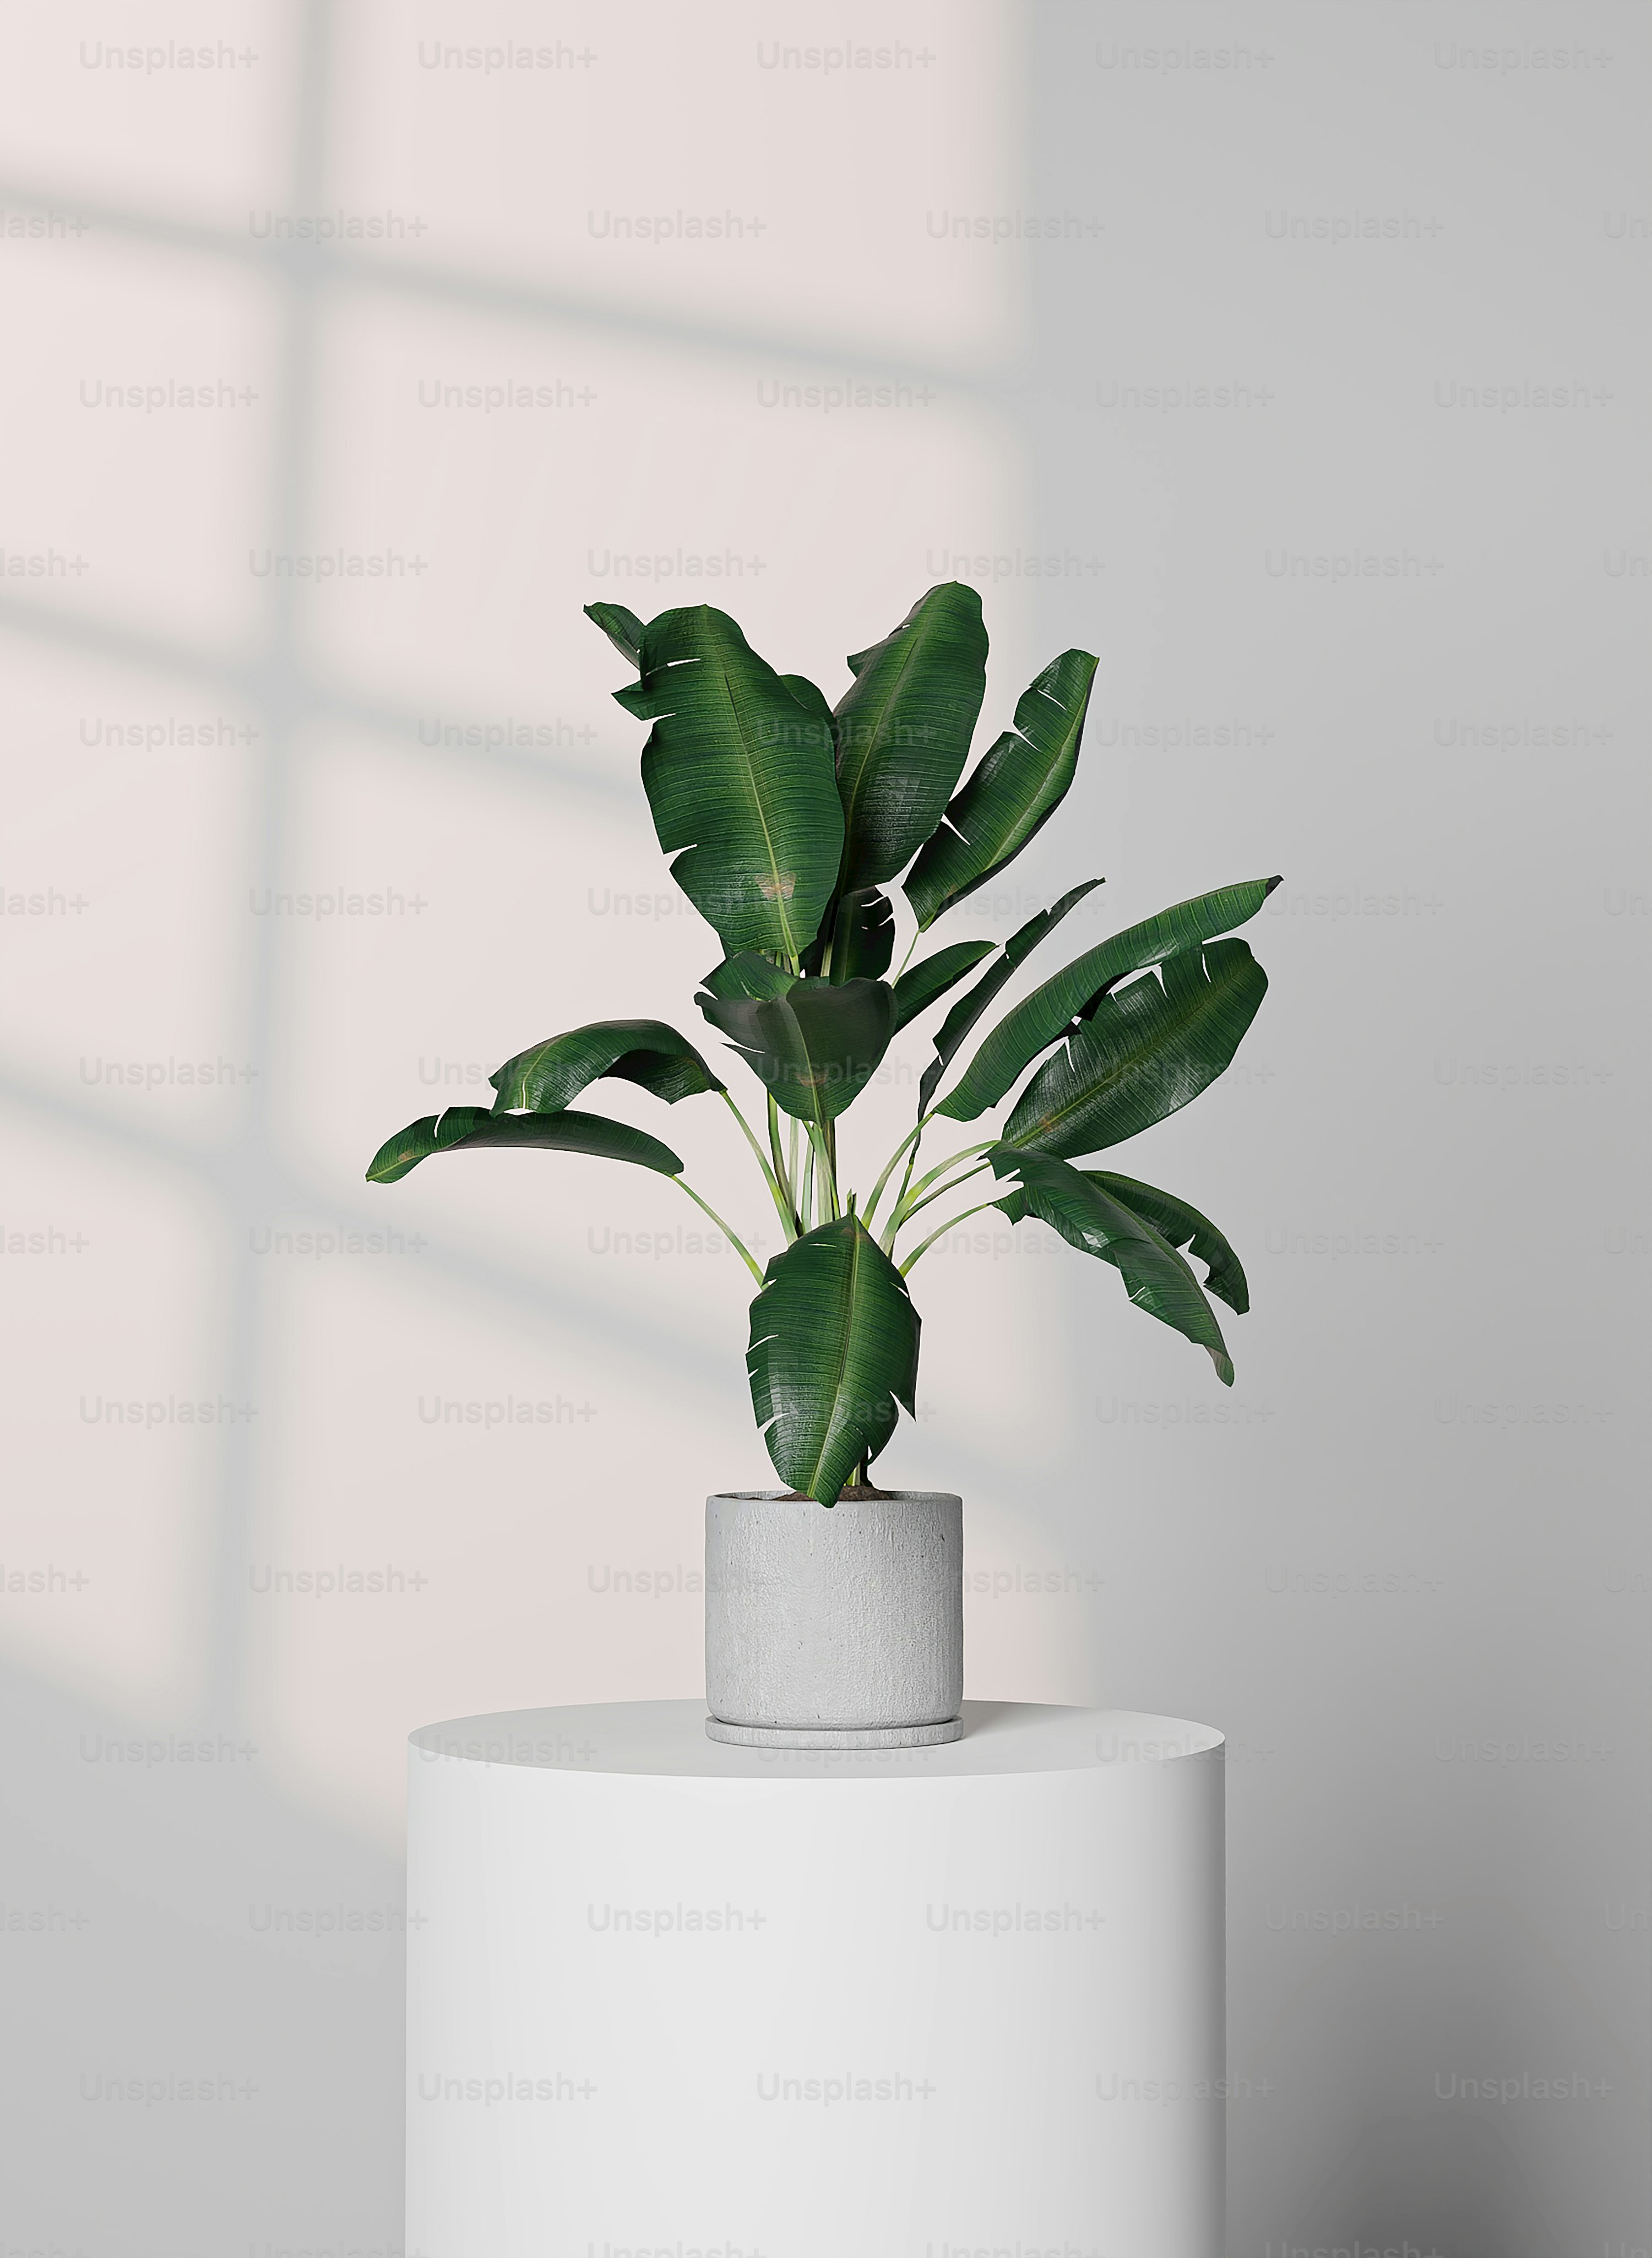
x=806 y=1211
x=740 y=1250
x=945 y=1227
x=941 y=1166
x=776 y=1154
x=782 y=1199
x=909 y=1203
x=911 y=1138
x=787 y=1174
x=941 y=1191
x=901 y=1200
x=825 y=1177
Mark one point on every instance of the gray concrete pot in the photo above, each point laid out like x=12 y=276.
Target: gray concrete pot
x=834 y=1627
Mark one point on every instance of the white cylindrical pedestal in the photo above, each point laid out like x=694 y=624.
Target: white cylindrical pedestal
x=667 y=1996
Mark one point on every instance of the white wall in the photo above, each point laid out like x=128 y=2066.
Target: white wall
x=1403 y=1565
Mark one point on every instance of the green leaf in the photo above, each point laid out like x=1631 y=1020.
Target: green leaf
x=903 y=729
x=1156 y=1277
x=834 y=1349
x=1178 y=1225
x=1038 y=1019
x=863 y=936
x=623 y=628
x=553 y=1073
x=968 y=1009
x=749 y=974
x=927 y=983
x=739 y=777
x=1012 y=793
x=1146 y=1051
x=464 y=1127
x=815 y=1048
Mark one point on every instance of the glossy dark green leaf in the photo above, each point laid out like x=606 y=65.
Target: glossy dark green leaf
x=1180 y=1225
x=1146 y=1051
x=834 y=1349
x=1156 y=1277
x=740 y=778
x=1040 y=1018
x=968 y=1009
x=623 y=628
x=1012 y=793
x=927 y=983
x=552 y=1074
x=863 y=936
x=463 y=1128
x=748 y=974
x=903 y=729
x=812 y=1048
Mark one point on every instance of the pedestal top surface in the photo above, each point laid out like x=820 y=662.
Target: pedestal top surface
x=667 y=1740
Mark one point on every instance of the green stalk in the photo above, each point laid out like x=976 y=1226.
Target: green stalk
x=776 y=1154
x=782 y=1200
x=739 y=1249
x=911 y=1138
x=941 y=1166
x=788 y=1175
x=942 y=1191
x=901 y=1197
x=825 y=1176
x=945 y=1227
x=909 y=1203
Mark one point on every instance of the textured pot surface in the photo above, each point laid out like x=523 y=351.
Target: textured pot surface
x=841 y=1618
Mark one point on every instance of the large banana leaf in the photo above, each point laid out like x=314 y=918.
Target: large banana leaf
x=927 y=983
x=815 y=1047
x=623 y=628
x=968 y=1009
x=1146 y=1051
x=1176 y=1223
x=903 y=730
x=464 y=1127
x=553 y=1073
x=1180 y=1225
x=834 y=1349
x=1012 y=793
x=740 y=776
x=1087 y=1215
x=749 y=974
x=1038 y=1019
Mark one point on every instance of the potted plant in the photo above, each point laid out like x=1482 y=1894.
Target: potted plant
x=834 y=1609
